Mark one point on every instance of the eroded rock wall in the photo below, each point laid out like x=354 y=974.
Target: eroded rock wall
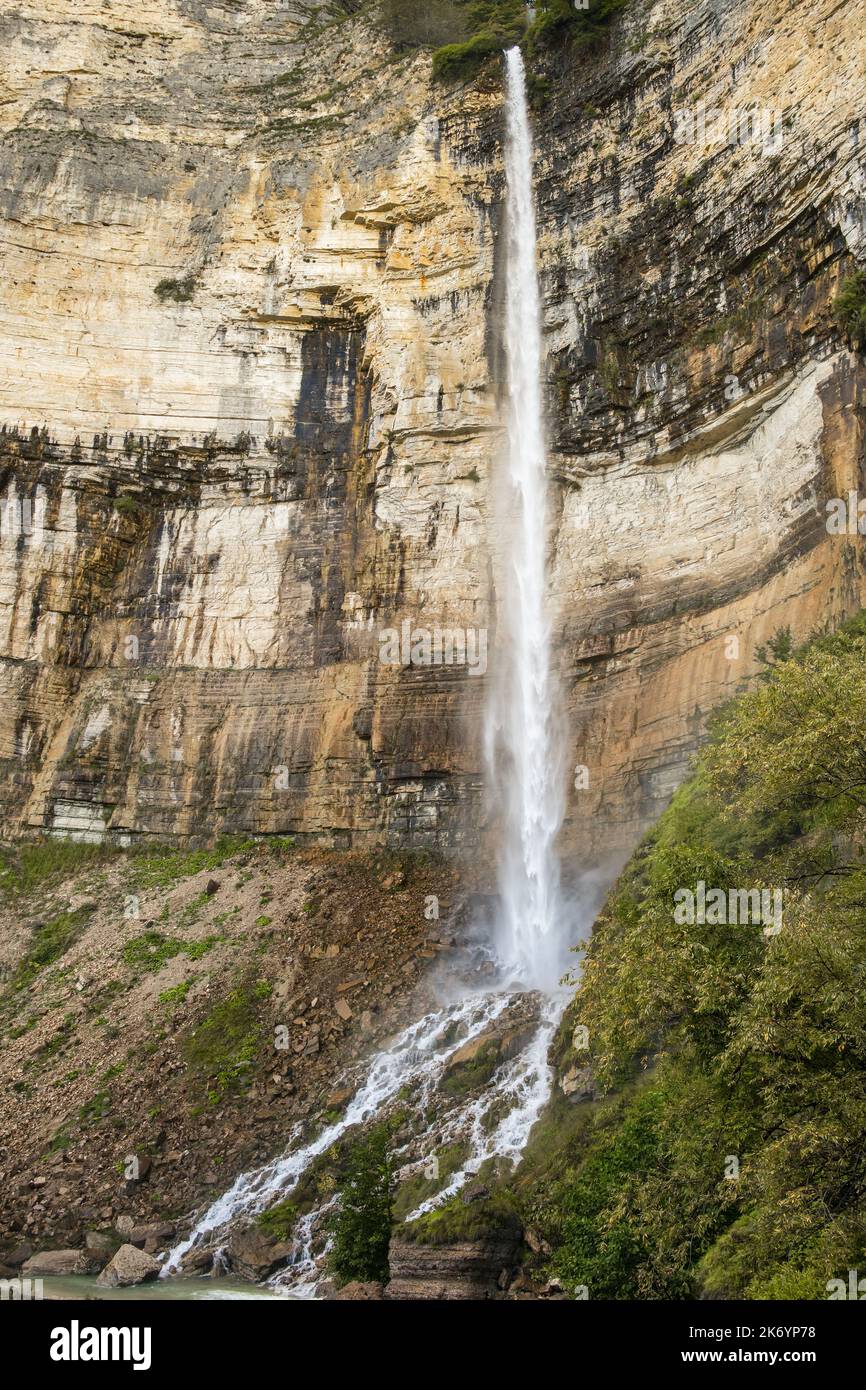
x=238 y=481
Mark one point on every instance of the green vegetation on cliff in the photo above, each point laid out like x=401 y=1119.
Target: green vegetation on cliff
x=727 y=1155
x=849 y=306
x=465 y=33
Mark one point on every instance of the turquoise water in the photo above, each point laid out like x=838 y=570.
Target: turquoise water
x=77 y=1286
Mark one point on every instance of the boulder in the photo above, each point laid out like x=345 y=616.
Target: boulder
x=20 y=1253
x=60 y=1262
x=475 y=1192
x=253 y=1254
x=578 y=1084
x=129 y=1266
x=198 y=1261
x=155 y=1236
x=473 y=1064
x=338 y=1100
x=101 y=1243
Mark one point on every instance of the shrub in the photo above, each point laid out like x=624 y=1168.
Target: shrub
x=362 y=1227
x=488 y=28
x=410 y=25
x=181 y=291
x=126 y=504
x=849 y=306
x=454 y=61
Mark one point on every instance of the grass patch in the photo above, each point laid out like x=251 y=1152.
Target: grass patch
x=95 y=1109
x=28 y=867
x=279 y=1221
x=151 y=950
x=59 y=1142
x=168 y=866
x=415 y=1190
x=171 y=998
x=49 y=943
x=739 y=323
x=223 y=1048
x=456 y=1221
x=192 y=909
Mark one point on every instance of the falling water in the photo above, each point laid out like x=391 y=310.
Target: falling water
x=523 y=749
x=522 y=743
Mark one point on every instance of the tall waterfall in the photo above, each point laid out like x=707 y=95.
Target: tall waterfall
x=522 y=746
x=523 y=758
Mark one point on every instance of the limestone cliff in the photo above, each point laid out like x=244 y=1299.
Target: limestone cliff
x=251 y=358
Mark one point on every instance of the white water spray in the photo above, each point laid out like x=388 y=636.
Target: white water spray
x=521 y=738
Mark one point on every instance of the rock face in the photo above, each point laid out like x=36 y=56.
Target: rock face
x=254 y=1255
x=472 y=1064
x=129 y=1266
x=360 y=1293
x=251 y=377
x=469 y=1269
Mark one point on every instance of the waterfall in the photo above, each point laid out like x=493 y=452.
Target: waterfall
x=523 y=754
x=523 y=749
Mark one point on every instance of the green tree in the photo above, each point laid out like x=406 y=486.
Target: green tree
x=362 y=1226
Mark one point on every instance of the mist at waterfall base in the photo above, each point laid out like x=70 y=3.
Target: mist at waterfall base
x=535 y=923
